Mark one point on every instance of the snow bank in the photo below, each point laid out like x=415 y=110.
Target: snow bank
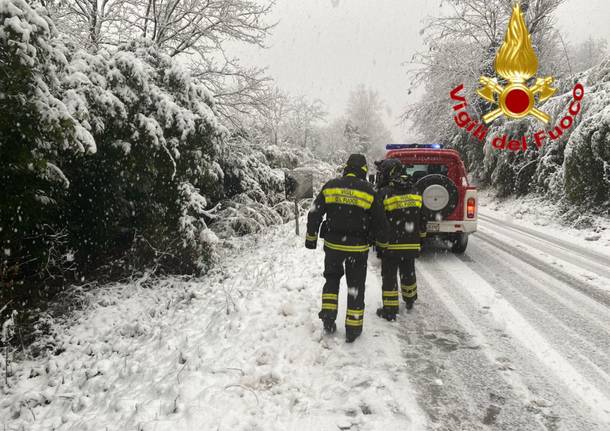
x=552 y=218
x=241 y=349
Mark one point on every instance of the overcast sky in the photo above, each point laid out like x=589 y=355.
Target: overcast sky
x=325 y=48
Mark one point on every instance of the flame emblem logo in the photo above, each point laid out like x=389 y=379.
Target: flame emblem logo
x=516 y=62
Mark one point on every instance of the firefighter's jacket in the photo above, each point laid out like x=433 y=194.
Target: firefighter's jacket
x=402 y=205
x=352 y=213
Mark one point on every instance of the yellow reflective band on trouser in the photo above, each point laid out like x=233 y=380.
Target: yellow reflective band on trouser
x=352 y=312
x=390 y=293
x=390 y=302
x=311 y=237
x=333 y=296
x=353 y=322
x=409 y=290
x=382 y=244
x=354 y=317
x=327 y=306
x=404 y=247
x=402 y=201
x=347 y=248
x=348 y=197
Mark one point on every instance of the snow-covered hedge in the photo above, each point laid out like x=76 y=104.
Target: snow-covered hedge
x=37 y=133
x=113 y=162
x=156 y=169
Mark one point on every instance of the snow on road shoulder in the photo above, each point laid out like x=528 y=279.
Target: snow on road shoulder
x=240 y=349
x=536 y=212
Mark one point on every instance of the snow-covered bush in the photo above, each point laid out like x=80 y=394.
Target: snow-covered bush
x=106 y=158
x=254 y=184
x=37 y=132
x=247 y=171
x=243 y=215
x=280 y=157
x=157 y=165
x=253 y=193
x=587 y=162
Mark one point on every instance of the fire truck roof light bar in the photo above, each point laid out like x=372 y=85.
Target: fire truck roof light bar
x=413 y=146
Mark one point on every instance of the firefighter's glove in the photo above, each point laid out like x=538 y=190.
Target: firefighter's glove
x=311 y=242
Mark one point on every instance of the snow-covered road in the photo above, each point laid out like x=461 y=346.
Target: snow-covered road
x=518 y=331
x=513 y=335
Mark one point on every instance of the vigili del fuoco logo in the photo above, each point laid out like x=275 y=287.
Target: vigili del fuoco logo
x=516 y=63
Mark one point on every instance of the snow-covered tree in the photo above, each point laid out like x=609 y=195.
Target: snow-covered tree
x=158 y=145
x=273 y=120
x=37 y=131
x=365 y=129
x=587 y=54
x=334 y=146
x=195 y=31
x=461 y=47
x=303 y=121
x=295 y=121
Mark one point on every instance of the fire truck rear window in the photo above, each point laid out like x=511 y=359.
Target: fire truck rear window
x=420 y=171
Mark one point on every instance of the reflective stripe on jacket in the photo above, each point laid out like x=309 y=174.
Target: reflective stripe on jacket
x=402 y=205
x=353 y=215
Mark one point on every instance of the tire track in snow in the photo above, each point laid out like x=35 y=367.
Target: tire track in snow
x=591 y=256
x=463 y=280
x=463 y=382
x=576 y=324
x=587 y=288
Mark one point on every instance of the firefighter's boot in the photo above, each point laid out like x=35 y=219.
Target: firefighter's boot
x=350 y=336
x=386 y=314
x=410 y=302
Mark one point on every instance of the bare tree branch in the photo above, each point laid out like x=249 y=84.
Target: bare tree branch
x=194 y=30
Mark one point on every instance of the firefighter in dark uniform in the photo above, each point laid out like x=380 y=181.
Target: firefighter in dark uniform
x=402 y=205
x=352 y=213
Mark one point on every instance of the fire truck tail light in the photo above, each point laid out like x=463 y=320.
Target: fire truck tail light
x=470 y=207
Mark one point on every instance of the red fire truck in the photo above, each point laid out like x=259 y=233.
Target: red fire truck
x=449 y=201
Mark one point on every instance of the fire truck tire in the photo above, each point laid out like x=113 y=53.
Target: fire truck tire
x=459 y=243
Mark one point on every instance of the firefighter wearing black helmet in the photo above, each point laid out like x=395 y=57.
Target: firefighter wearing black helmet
x=352 y=213
x=402 y=205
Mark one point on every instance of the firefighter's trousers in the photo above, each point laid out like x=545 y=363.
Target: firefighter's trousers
x=390 y=266
x=353 y=265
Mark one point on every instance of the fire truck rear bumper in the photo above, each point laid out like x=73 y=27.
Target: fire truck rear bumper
x=443 y=227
